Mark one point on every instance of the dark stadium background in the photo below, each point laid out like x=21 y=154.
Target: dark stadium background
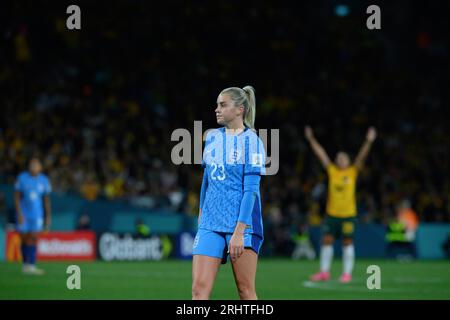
x=98 y=105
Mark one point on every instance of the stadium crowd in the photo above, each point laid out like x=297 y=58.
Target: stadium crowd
x=98 y=105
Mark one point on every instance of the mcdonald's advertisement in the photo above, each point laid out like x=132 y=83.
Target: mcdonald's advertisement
x=55 y=246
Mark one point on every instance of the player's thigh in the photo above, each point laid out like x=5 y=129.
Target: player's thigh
x=31 y=225
x=347 y=230
x=24 y=227
x=330 y=230
x=27 y=229
x=204 y=270
x=208 y=253
x=244 y=269
x=35 y=227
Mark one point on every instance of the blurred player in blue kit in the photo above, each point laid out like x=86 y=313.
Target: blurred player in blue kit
x=32 y=194
x=230 y=215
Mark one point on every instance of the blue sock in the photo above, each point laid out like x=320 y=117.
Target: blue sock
x=32 y=254
x=24 y=250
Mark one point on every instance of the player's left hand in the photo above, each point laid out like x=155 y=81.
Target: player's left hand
x=236 y=246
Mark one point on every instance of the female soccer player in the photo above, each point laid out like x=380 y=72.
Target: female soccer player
x=341 y=205
x=230 y=219
x=31 y=197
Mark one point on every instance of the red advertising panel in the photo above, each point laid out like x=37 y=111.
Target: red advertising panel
x=56 y=246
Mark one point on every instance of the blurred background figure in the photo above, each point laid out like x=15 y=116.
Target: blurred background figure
x=33 y=209
x=84 y=223
x=142 y=230
x=409 y=218
x=90 y=188
x=303 y=246
x=401 y=232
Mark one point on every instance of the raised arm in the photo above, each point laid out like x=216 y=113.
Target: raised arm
x=317 y=148
x=364 y=151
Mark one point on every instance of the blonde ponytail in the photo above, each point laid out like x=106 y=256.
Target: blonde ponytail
x=250 y=110
x=246 y=98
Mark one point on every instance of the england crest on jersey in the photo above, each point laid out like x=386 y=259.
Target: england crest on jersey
x=234 y=156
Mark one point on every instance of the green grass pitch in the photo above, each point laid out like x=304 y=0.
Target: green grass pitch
x=276 y=279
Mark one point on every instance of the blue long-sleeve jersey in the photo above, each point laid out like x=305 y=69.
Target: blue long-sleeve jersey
x=229 y=192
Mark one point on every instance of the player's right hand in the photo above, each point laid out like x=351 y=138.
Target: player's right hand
x=236 y=246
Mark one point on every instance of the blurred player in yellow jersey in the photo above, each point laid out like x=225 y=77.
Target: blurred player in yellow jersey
x=341 y=205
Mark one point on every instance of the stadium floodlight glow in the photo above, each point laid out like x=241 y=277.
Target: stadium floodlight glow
x=341 y=10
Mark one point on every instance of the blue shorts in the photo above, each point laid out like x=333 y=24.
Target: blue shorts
x=31 y=225
x=215 y=244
